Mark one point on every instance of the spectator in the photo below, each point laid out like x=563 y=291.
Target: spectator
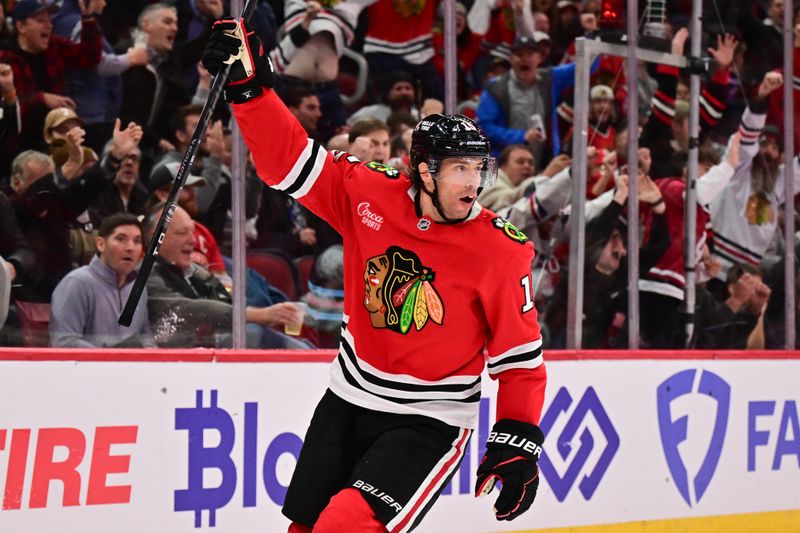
x=498 y=23
x=207 y=252
x=602 y=119
x=46 y=201
x=214 y=198
x=189 y=307
x=16 y=255
x=390 y=46
x=518 y=107
x=96 y=91
x=400 y=97
x=311 y=44
x=152 y=91
x=605 y=274
x=667 y=131
x=764 y=39
x=745 y=215
x=468 y=47
x=304 y=105
x=126 y=194
x=369 y=140
x=88 y=301
x=729 y=324
x=515 y=176
x=662 y=287
x=64 y=133
x=40 y=61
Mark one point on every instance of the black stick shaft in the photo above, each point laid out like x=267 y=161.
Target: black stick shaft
x=180 y=179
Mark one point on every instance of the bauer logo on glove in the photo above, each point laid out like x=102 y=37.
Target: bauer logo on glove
x=512 y=450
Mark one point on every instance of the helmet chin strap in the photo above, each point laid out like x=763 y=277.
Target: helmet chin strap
x=435 y=200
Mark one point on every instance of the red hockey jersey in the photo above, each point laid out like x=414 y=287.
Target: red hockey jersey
x=401 y=27
x=424 y=302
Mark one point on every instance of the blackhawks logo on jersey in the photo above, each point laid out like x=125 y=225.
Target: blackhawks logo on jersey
x=389 y=172
x=509 y=230
x=399 y=291
x=408 y=8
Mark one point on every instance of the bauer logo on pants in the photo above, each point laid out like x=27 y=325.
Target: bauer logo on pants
x=577 y=460
x=675 y=430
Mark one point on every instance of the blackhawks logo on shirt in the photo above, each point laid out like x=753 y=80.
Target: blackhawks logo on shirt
x=399 y=291
x=509 y=230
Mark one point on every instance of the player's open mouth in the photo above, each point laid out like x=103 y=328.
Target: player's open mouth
x=468 y=199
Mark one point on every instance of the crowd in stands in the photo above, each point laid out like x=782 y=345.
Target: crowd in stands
x=100 y=98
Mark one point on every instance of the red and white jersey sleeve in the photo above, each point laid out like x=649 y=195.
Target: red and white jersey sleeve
x=514 y=346
x=287 y=160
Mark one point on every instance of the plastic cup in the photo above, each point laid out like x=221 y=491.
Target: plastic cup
x=294 y=328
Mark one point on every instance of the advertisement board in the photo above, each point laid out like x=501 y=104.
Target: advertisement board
x=210 y=446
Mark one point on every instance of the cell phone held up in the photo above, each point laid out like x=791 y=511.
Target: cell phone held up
x=537 y=122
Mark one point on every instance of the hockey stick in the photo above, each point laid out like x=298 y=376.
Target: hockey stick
x=180 y=179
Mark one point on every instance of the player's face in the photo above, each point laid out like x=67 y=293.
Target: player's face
x=122 y=249
x=458 y=181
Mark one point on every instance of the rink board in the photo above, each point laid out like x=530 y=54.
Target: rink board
x=206 y=441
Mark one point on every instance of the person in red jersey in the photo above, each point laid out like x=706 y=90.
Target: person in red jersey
x=437 y=288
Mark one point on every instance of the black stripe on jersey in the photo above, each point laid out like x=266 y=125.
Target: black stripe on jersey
x=303 y=176
x=405 y=387
x=399 y=49
x=525 y=356
x=737 y=246
x=746 y=128
x=354 y=382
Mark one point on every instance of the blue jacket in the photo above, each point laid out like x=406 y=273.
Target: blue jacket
x=97 y=91
x=493 y=119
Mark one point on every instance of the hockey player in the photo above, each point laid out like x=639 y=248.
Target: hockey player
x=436 y=288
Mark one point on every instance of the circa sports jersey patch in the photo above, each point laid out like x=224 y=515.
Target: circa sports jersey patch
x=399 y=292
x=389 y=172
x=369 y=218
x=509 y=230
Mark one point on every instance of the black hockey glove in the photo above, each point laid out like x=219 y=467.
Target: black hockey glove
x=512 y=450
x=232 y=43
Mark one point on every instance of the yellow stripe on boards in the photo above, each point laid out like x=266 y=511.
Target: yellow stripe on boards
x=772 y=522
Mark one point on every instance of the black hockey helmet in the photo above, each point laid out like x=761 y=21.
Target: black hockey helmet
x=439 y=137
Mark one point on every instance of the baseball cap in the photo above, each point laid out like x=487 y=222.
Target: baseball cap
x=566 y=3
x=771 y=133
x=29 y=8
x=524 y=41
x=164 y=175
x=58 y=116
x=603 y=92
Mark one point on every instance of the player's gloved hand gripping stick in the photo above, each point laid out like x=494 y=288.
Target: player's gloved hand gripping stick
x=244 y=75
x=512 y=451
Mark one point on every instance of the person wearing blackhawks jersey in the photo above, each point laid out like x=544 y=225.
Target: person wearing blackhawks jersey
x=436 y=289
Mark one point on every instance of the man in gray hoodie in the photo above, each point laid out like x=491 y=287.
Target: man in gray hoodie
x=87 y=302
